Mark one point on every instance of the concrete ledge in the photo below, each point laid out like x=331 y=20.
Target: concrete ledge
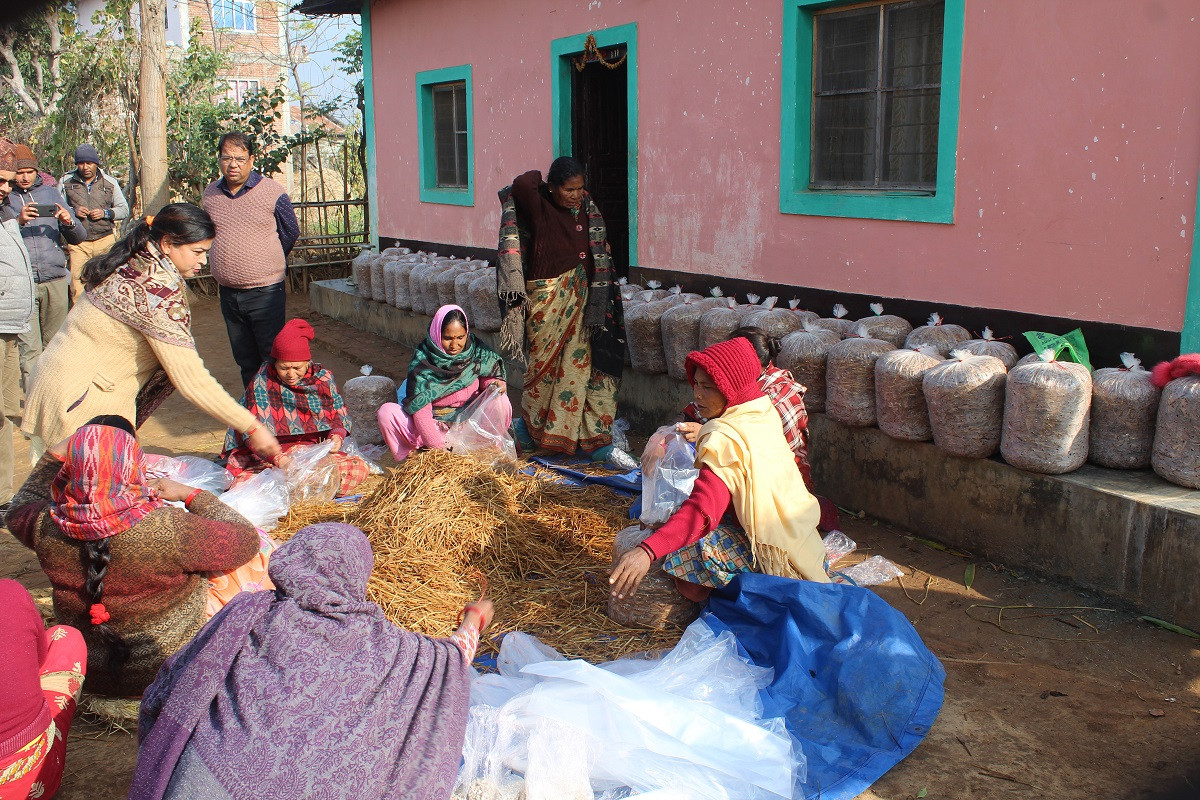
x=1130 y=535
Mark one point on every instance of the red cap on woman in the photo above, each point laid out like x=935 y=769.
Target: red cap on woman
x=292 y=342
x=733 y=366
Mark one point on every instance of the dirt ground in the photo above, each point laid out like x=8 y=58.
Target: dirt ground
x=1060 y=699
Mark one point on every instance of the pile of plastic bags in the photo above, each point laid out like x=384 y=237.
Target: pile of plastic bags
x=688 y=724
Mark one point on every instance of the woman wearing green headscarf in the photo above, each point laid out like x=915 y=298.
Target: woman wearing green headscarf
x=448 y=370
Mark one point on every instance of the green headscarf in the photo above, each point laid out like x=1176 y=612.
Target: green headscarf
x=433 y=373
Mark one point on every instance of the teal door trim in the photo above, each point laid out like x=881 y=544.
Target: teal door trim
x=1189 y=338
x=369 y=126
x=560 y=102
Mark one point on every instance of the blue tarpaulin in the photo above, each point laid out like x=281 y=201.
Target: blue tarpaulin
x=853 y=679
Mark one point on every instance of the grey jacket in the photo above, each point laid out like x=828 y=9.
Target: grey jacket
x=44 y=236
x=104 y=193
x=16 y=277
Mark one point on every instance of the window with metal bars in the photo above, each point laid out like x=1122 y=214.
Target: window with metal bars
x=877 y=80
x=450 y=134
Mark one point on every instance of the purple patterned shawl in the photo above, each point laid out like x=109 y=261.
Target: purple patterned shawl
x=310 y=691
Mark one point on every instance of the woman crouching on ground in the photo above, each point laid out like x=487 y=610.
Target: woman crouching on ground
x=448 y=371
x=309 y=691
x=127 y=570
x=297 y=401
x=746 y=468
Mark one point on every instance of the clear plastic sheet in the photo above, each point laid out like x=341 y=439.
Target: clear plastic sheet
x=199 y=473
x=872 y=572
x=668 y=474
x=837 y=546
x=687 y=725
x=263 y=499
x=480 y=429
x=370 y=453
x=312 y=474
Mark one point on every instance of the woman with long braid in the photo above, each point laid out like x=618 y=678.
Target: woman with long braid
x=142 y=592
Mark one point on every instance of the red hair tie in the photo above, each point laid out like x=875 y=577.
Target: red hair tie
x=99 y=614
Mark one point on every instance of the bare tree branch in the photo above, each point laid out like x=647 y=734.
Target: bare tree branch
x=53 y=22
x=15 y=80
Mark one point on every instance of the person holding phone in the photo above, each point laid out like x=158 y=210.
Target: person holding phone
x=47 y=225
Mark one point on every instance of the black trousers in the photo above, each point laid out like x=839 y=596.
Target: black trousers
x=253 y=318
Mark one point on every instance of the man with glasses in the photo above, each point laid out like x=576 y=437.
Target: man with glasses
x=16 y=311
x=256 y=229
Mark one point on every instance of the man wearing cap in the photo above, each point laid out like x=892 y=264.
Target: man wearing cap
x=99 y=204
x=44 y=236
x=16 y=310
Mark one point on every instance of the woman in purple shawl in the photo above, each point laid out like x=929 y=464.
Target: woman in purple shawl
x=309 y=691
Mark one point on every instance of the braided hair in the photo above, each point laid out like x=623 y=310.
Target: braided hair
x=766 y=347
x=96 y=556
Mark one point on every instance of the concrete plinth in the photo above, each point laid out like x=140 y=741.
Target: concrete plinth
x=1130 y=535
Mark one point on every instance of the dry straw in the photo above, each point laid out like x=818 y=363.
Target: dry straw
x=484 y=307
x=804 y=353
x=899 y=400
x=443 y=526
x=681 y=331
x=378 y=289
x=717 y=324
x=887 y=327
x=850 y=379
x=1046 y=416
x=938 y=335
x=445 y=282
x=838 y=323
x=987 y=345
x=403 y=274
x=364 y=395
x=1124 y=409
x=1176 y=454
x=779 y=322
x=643 y=326
x=657 y=603
x=965 y=396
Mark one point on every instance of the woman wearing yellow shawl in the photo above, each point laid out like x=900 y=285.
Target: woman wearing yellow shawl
x=747 y=468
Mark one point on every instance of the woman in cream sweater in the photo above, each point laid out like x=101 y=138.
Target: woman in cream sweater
x=127 y=343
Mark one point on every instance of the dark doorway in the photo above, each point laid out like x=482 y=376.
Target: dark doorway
x=600 y=140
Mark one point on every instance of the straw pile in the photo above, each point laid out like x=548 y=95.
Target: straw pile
x=442 y=526
x=1124 y=409
x=1176 y=454
x=965 y=396
x=899 y=399
x=1046 y=417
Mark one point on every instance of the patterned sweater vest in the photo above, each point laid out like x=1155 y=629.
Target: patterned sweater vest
x=247 y=252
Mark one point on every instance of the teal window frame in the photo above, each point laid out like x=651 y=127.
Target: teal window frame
x=795 y=163
x=561 y=51
x=429 y=190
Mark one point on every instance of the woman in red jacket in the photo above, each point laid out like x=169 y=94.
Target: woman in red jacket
x=749 y=509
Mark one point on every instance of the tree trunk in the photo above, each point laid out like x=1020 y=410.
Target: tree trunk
x=152 y=107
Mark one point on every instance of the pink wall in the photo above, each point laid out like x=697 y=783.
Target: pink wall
x=1078 y=154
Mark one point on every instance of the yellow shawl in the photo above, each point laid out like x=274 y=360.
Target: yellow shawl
x=746 y=449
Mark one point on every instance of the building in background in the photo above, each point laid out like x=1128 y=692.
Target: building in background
x=1009 y=163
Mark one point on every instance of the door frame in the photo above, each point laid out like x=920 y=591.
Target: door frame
x=561 y=51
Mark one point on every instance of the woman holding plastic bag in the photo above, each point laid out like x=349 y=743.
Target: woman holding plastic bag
x=297 y=400
x=310 y=691
x=787 y=395
x=127 y=569
x=746 y=468
x=449 y=370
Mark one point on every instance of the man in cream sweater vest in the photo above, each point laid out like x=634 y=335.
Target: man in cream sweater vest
x=256 y=229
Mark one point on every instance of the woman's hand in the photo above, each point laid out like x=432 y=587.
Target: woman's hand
x=170 y=490
x=500 y=385
x=629 y=572
x=483 y=611
x=690 y=430
x=337 y=443
x=264 y=444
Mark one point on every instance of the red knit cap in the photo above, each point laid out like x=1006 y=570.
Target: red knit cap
x=292 y=342
x=733 y=367
x=24 y=158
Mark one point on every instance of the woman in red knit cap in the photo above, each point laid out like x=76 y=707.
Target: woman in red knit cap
x=749 y=509
x=297 y=401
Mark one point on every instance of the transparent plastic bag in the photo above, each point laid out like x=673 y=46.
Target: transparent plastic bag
x=837 y=546
x=368 y=453
x=557 y=765
x=687 y=723
x=872 y=572
x=263 y=499
x=668 y=474
x=312 y=473
x=199 y=473
x=480 y=429
x=620 y=435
